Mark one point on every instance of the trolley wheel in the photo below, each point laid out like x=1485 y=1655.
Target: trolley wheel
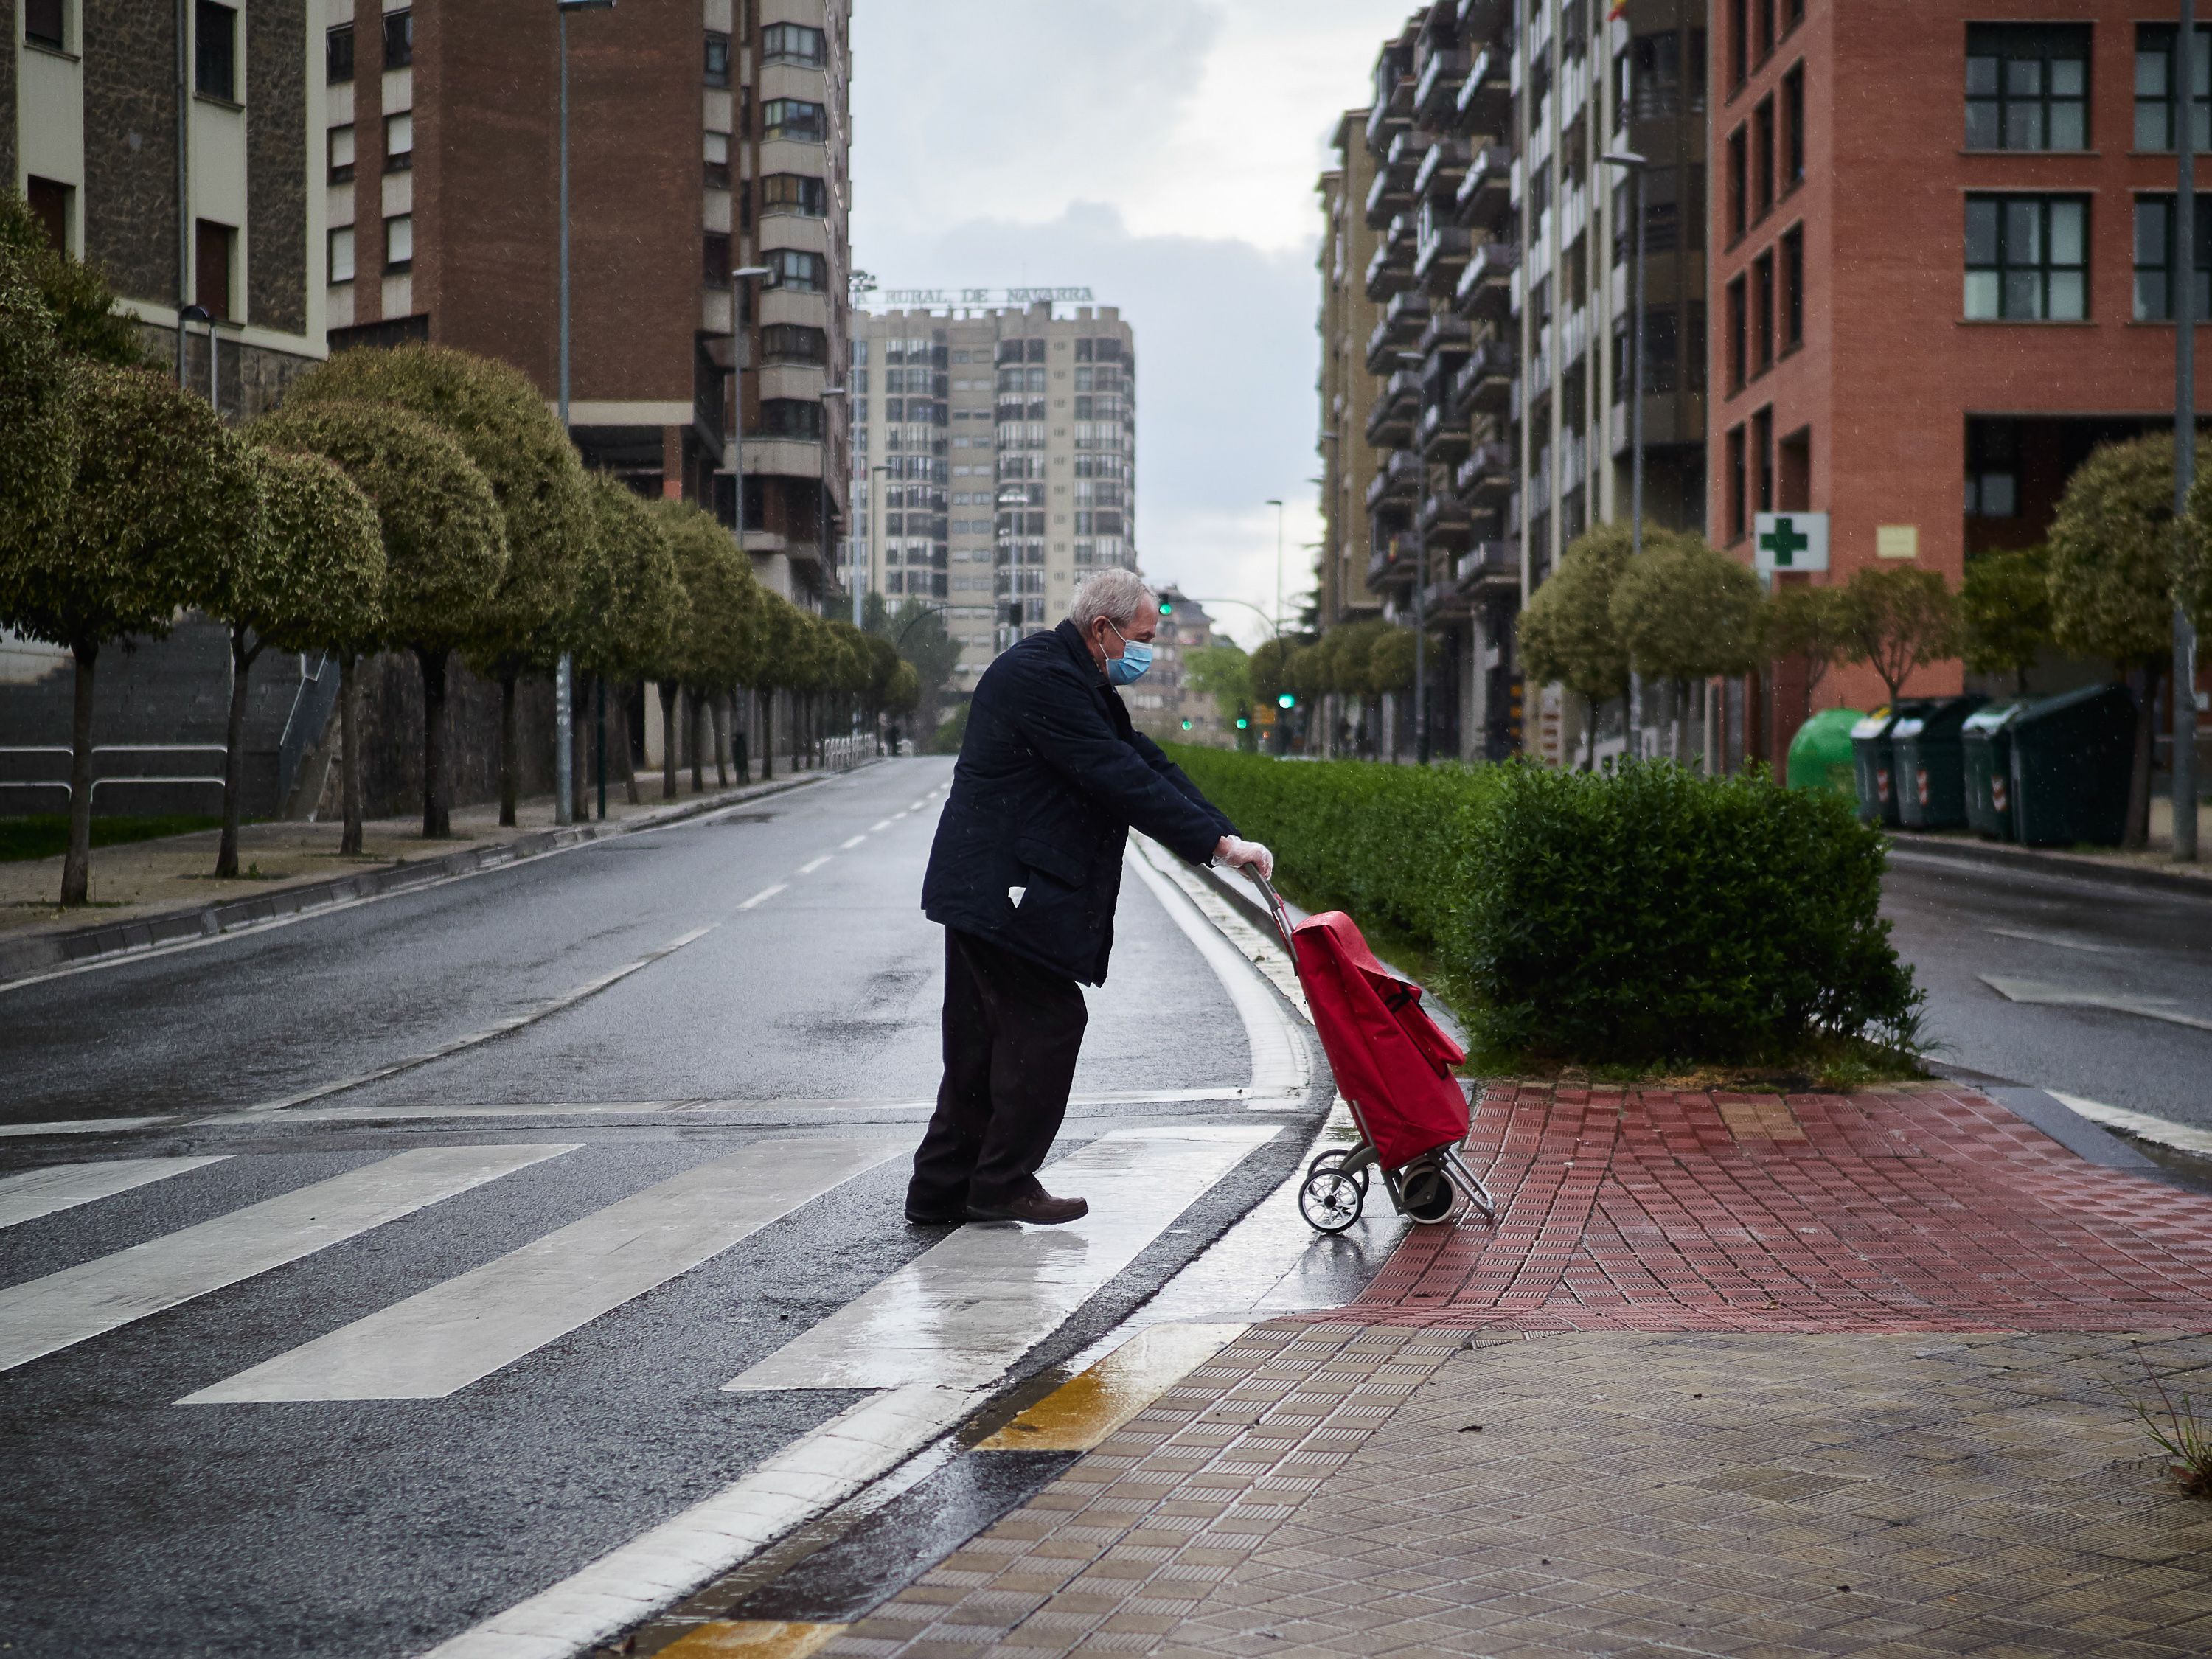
x=1429 y=1196
x=1334 y=1159
x=1330 y=1201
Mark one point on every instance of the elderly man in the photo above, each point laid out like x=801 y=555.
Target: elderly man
x=1023 y=877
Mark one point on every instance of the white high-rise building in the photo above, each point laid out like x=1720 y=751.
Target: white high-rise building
x=994 y=461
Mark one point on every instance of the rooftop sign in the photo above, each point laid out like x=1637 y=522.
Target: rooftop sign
x=924 y=298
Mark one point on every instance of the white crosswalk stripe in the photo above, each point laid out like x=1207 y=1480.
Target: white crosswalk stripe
x=34 y=1193
x=960 y=1314
x=459 y=1332
x=44 y=1316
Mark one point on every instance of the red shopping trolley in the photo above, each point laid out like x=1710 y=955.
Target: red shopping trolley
x=1393 y=1067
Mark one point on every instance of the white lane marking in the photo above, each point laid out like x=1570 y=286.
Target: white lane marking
x=895 y=817
x=507 y=1027
x=46 y=1315
x=1279 y=1059
x=809 y=868
x=847 y=846
x=460 y=1332
x=676 y=1107
x=764 y=895
x=881 y=824
x=85 y=1125
x=962 y=1312
x=2142 y=1125
x=630 y=1583
x=2042 y=994
x=919 y=804
x=2063 y=941
x=34 y=1193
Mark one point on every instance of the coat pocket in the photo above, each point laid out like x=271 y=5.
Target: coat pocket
x=1069 y=869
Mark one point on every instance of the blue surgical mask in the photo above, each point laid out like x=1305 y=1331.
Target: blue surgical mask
x=1129 y=667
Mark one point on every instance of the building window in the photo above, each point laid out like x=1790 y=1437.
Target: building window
x=212 y=248
x=794 y=193
x=1793 y=129
x=1762 y=460
x=718 y=59
x=1763 y=10
x=337 y=55
x=795 y=119
x=717 y=152
x=1793 y=14
x=340 y=144
x=2027 y=87
x=1739 y=329
x=1733 y=485
x=2155 y=275
x=793 y=43
x=791 y=418
x=1793 y=289
x=1739 y=42
x=399 y=141
x=398 y=39
x=1992 y=470
x=49 y=202
x=341 y=254
x=2028 y=257
x=400 y=242
x=46 y=23
x=1762 y=157
x=803 y=273
x=788 y=342
x=2156 y=82
x=714 y=259
x=1738 y=182
x=214 y=51
x=1762 y=312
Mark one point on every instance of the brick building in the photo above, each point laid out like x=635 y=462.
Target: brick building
x=1942 y=273
x=706 y=137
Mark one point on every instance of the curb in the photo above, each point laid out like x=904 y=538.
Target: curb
x=1997 y=855
x=77 y=947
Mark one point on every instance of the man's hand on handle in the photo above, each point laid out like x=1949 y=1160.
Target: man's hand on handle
x=1237 y=853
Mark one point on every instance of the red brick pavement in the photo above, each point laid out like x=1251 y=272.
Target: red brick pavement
x=1918 y=1208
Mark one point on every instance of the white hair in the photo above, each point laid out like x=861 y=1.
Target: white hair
x=1115 y=596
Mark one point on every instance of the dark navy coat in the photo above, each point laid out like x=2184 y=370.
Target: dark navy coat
x=1051 y=778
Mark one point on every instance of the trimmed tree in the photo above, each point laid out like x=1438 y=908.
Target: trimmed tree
x=1897 y=621
x=445 y=544
x=1567 y=635
x=631 y=605
x=312 y=578
x=1687 y=613
x=2004 y=613
x=502 y=422
x=39 y=416
x=714 y=648
x=76 y=296
x=2114 y=576
x=1808 y=623
x=1222 y=672
x=162 y=503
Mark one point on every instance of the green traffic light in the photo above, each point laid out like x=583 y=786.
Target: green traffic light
x=1242 y=724
x=1287 y=700
x=1167 y=607
x=1186 y=726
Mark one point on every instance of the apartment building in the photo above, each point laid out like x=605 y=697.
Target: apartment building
x=706 y=138
x=994 y=461
x=1927 y=324
x=182 y=169
x=1348 y=322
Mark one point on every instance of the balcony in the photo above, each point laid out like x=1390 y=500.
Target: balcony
x=1440 y=436
x=1485 y=478
x=1386 y=119
x=1439 y=257
x=1397 y=480
x=1444 y=333
x=1403 y=319
x=1486 y=97
x=1486 y=287
x=1444 y=522
x=1390 y=423
x=1392 y=191
x=1666 y=420
x=1485 y=20
x=1437 y=89
x=1440 y=170
x=1485 y=193
x=1488 y=564
x=1391 y=270
x=1484 y=384
x=1391 y=567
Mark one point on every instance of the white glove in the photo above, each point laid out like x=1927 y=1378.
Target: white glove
x=1237 y=853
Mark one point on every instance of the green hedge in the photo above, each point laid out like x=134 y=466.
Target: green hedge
x=1630 y=915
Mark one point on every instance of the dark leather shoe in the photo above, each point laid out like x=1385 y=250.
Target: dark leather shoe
x=925 y=1218
x=1039 y=1209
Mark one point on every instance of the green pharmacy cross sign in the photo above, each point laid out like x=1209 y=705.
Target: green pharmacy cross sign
x=1791 y=541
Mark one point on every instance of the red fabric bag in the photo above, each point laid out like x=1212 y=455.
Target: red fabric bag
x=1390 y=1059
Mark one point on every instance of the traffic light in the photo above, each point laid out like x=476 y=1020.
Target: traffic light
x=1242 y=724
x=1288 y=700
x=1167 y=607
x=1186 y=726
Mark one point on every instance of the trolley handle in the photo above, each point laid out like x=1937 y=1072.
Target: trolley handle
x=1276 y=909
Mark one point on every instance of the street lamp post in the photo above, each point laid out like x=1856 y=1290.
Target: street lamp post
x=2184 y=773
x=1282 y=726
x=564 y=679
x=822 y=500
x=1634 y=165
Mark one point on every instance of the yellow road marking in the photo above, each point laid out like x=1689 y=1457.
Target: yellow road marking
x=1090 y=1405
x=750 y=1639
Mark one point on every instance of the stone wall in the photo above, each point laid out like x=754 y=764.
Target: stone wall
x=275 y=183
x=130 y=145
x=9 y=35
x=391 y=735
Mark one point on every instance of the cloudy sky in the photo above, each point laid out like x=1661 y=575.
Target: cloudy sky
x=1162 y=153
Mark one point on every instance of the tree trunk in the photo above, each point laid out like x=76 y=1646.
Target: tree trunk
x=437 y=817
x=349 y=837
x=234 y=760
x=667 y=740
x=714 y=710
x=741 y=735
x=2145 y=678
x=694 y=730
x=579 y=749
x=624 y=694
x=768 y=735
x=76 y=863
x=1590 y=738
x=508 y=765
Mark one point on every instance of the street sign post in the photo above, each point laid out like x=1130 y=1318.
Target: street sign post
x=1789 y=542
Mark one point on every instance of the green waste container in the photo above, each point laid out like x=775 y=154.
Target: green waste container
x=1876 y=764
x=1820 y=753
x=1931 y=765
x=1985 y=742
x=2071 y=756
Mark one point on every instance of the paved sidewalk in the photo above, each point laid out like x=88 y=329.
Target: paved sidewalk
x=1733 y=1375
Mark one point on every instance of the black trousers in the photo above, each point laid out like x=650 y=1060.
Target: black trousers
x=1012 y=1031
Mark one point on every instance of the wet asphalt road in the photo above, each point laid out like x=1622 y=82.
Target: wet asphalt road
x=357 y=1527
x=2081 y=946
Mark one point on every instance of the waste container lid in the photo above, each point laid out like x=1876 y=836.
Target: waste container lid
x=1992 y=719
x=1873 y=725
x=2049 y=708
x=1907 y=728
